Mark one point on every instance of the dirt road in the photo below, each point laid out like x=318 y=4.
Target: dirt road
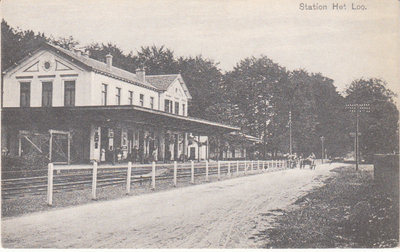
x=215 y=215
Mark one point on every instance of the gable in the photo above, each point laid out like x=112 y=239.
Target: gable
x=44 y=62
x=176 y=90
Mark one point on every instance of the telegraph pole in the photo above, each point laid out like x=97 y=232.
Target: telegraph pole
x=357 y=108
x=290 y=132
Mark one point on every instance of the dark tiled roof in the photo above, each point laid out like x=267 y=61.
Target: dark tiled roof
x=161 y=82
x=102 y=67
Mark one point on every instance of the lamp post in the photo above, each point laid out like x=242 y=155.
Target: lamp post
x=268 y=113
x=322 y=150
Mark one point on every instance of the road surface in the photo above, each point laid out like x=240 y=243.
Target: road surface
x=223 y=214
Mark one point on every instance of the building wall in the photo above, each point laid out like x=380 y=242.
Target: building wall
x=88 y=85
x=32 y=71
x=175 y=93
x=112 y=84
x=203 y=148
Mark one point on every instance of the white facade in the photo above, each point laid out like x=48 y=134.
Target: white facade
x=176 y=94
x=34 y=72
x=47 y=66
x=91 y=87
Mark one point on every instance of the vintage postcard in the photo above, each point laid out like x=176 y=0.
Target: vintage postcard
x=199 y=124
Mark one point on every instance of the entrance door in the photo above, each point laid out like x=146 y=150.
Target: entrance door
x=176 y=147
x=60 y=147
x=192 y=153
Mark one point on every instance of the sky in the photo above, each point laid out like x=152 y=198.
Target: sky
x=343 y=45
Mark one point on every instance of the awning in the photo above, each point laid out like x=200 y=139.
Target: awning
x=123 y=114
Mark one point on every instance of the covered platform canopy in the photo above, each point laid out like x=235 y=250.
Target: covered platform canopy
x=105 y=114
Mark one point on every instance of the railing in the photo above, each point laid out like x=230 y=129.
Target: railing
x=101 y=175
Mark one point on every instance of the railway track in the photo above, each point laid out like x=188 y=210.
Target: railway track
x=65 y=181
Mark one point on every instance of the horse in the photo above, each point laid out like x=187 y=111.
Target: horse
x=307 y=161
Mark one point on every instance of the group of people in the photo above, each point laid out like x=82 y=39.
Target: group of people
x=136 y=155
x=294 y=161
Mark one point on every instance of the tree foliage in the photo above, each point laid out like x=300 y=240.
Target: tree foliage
x=256 y=95
x=379 y=128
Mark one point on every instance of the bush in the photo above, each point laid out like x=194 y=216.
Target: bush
x=27 y=162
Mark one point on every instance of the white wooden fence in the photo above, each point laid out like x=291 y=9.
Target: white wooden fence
x=154 y=170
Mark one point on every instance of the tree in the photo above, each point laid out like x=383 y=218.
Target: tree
x=17 y=44
x=203 y=78
x=157 y=60
x=250 y=89
x=99 y=51
x=379 y=128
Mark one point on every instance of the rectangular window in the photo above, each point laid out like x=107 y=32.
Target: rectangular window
x=104 y=95
x=177 y=108
x=183 y=109
x=130 y=97
x=69 y=93
x=25 y=94
x=47 y=93
x=166 y=105
x=118 y=96
x=142 y=100
x=152 y=102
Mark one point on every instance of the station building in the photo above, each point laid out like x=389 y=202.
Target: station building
x=74 y=109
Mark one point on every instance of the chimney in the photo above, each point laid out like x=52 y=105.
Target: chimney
x=109 y=60
x=141 y=74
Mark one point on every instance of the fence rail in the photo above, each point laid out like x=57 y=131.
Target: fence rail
x=61 y=178
x=155 y=172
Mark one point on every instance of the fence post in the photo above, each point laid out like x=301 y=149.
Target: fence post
x=237 y=167
x=219 y=170
x=245 y=167
x=175 y=172
x=94 y=180
x=153 y=175
x=252 y=165
x=207 y=170
x=50 y=184
x=192 y=172
x=263 y=165
x=229 y=168
x=128 y=178
x=258 y=164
